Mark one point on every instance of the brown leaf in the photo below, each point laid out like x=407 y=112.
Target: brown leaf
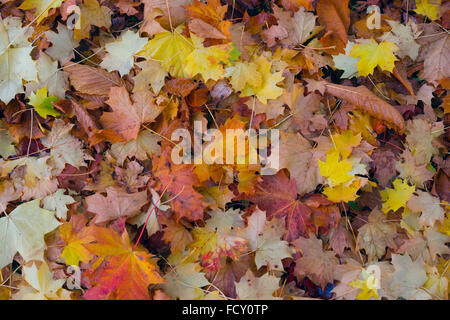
x=127 y=117
x=316 y=263
x=116 y=204
x=205 y=30
x=92 y=80
x=198 y=97
x=180 y=87
x=400 y=73
x=367 y=101
x=335 y=16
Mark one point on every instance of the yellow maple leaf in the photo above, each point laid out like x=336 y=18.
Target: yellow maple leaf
x=268 y=88
x=42 y=7
x=242 y=73
x=337 y=171
x=394 y=199
x=372 y=54
x=428 y=8
x=345 y=142
x=343 y=192
x=208 y=61
x=170 y=49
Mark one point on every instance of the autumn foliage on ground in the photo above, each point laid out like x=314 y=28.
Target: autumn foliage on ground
x=94 y=207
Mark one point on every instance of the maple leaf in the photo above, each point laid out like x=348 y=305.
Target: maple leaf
x=121 y=52
x=205 y=30
x=36 y=169
x=428 y=8
x=253 y=288
x=340 y=237
x=42 y=7
x=265 y=239
x=337 y=171
x=408 y=278
x=151 y=74
x=49 y=76
x=41 y=285
x=376 y=235
x=170 y=49
x=429 y=206
x=277 y=195
x=345 y=142
x=343 y=192
x=298 y=28
x=127 y=117
x=64 y=148
x=62 y=44
x=125 y=272
x=208 y=62
x=116 y=204
x=243 y=74
x=372 y=54
x=316 y=263
x=170 y=14
x=57 y=202
x=23 y=231
x=185 y=282
x=268 y=88
x=396 y=198
x=230 y=272
x=15 y=57
x=145 y=145
x=404 y=37
x=43 y=104
x=148 y=218
x=132 y=176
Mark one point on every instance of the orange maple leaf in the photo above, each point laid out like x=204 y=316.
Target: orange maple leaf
x=123 y=273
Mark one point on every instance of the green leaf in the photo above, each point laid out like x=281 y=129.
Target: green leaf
x=43 y=104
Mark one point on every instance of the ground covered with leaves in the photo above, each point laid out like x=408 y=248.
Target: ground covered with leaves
x=93 y=205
